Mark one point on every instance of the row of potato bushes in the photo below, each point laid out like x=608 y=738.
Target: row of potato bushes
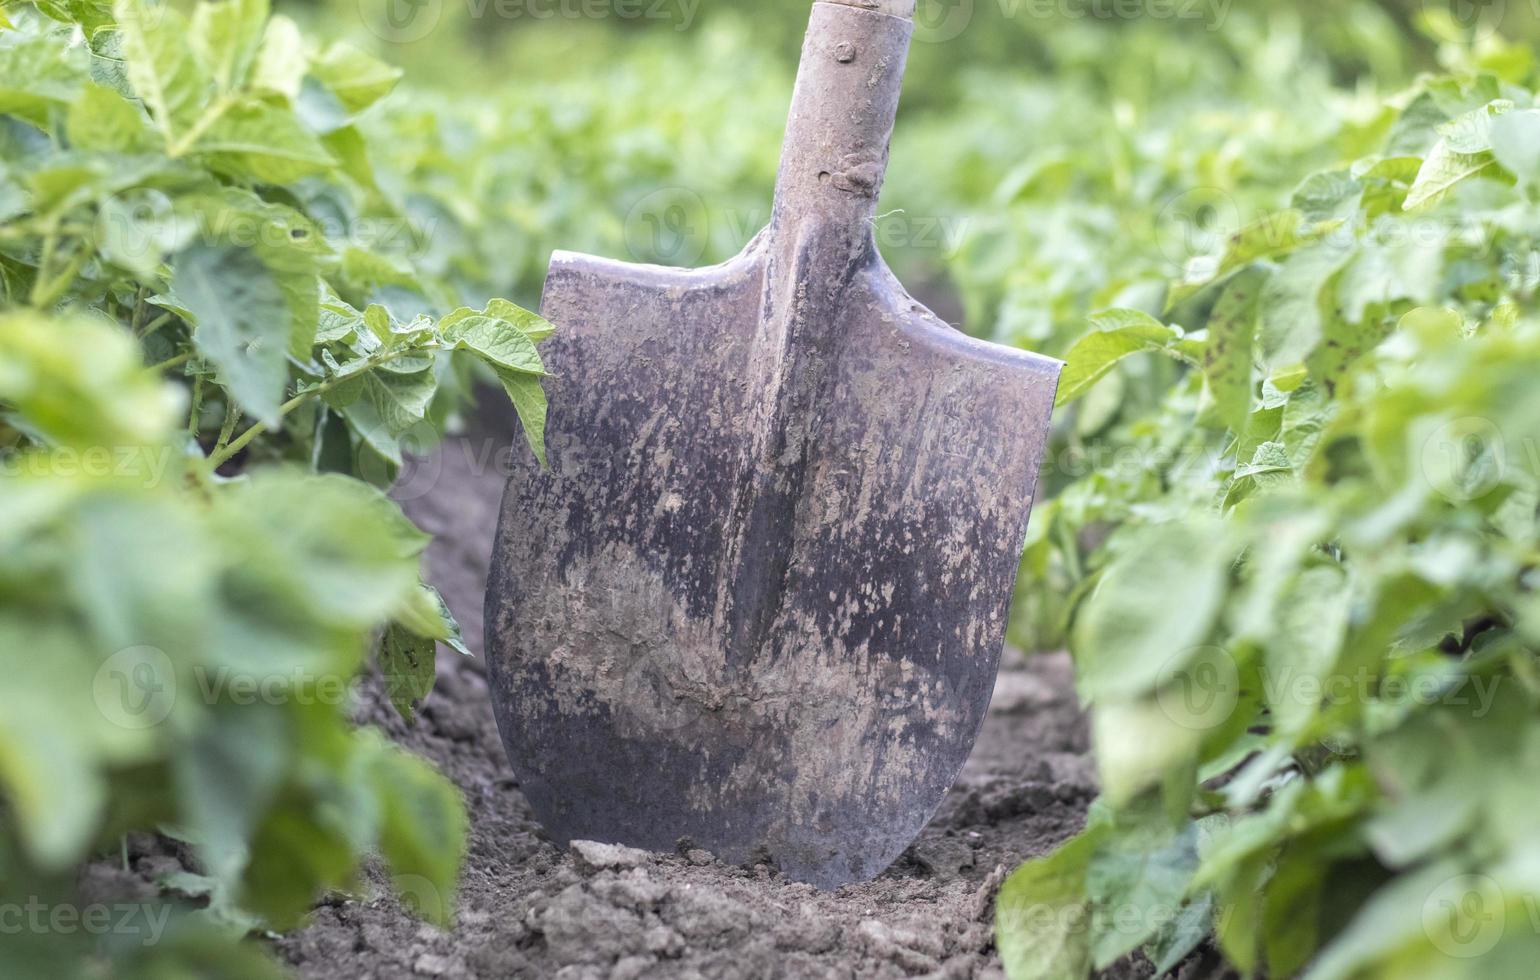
x=221 y=326
x=1298 y=572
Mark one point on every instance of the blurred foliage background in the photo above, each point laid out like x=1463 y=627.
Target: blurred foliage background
x=1054 y=160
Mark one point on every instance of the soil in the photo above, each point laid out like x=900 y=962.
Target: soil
x=527 y=908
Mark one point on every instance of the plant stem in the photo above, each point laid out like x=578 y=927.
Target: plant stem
x=232 y=416
x=221 y=456
x=172 y=362
x=50 y=243
x=156 y=324
x=197 y=406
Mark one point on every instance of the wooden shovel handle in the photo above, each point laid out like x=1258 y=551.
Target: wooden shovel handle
x=841 y=120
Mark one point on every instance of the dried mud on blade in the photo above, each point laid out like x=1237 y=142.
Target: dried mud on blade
x=758 y=599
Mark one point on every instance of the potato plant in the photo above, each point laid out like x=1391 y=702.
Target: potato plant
x=1302 y=606
x=218 y=336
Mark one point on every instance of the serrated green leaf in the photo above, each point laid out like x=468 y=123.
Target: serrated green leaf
x=496 y=341
x=383 y=406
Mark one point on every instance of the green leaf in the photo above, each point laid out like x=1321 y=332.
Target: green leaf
x=423 y=831
x=427 y=615
x=1312 y=620
x=1193 y=924
x=535 y=327
x=357 y=79
x=1292 y=304
x=227 y=777
x=1396 y=921
x=1140 y=742
x=1515 y=138
x=1291 y=917
x=241 y=321
x=79 y=381
x=1344 y=340
x=265 y=143
x=101 y=119
x=1227 y=360
x=1152 y=608
x=37 y=76
x=1117 y=334
x=160 y=65
x=1442 y=170
x=289 y=244
x=280 y=63
x=1270 y=235
x=406 y=662
x=1135 y=877
x=1329 y=196
x=383 y=406
x=137 y=230
x=529 y=402
x=225 y=37
x=496 y=341
x=1041 y=914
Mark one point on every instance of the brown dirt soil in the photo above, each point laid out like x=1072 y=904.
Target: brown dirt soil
x=527 y=908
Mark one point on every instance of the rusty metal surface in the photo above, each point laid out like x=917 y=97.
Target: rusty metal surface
x=759 y=598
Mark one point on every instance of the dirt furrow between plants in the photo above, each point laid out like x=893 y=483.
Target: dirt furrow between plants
x=530 y=909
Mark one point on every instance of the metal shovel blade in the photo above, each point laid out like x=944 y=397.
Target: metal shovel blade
x=758 y=599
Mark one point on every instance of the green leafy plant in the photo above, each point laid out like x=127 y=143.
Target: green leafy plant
x=218 y=337
x=1303 y=611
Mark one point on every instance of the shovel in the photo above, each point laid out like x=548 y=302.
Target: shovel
x=759 y=597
